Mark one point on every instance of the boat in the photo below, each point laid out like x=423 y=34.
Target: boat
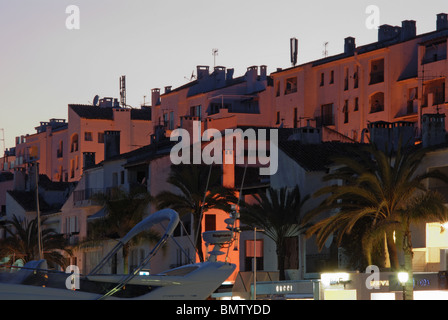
x=195 y=281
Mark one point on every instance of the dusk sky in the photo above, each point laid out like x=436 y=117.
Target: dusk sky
x=44 y=66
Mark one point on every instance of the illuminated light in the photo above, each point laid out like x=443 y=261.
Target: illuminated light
x=283 y=288
x=328 y=279
x=144 y=273
x=444 y=226
x=382 y=296
x=430 y=295
x=403 y=277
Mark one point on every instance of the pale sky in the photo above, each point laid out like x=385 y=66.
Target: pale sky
x=156 y=43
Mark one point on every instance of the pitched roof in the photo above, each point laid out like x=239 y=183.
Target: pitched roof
x=94 y=112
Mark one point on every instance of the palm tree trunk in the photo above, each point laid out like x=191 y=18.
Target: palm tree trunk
x=281 y=253
x=392 y=249
x=198 y=235
x=408 y=255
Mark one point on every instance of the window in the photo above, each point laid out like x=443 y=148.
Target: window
x=100 y=137
x=433 y=93
x=171 y=126
x=322 y=79
x=435 y=52
x=196 y=111
x=74 y=143
x=88 y=136
x=346 y=79
x=412 y=101
x=327 y=117
x=277 y=88
x=377 y=102
x=331 y=77
x=345 y=111
x=72 y=168
x=254 y=249
x=278 y=118
x=376 y=71
x=60 y=151
x=356 y=104
x=210 y=222
x=356 y=77
x=291 y=85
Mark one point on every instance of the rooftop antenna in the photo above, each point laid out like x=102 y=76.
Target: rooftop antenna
x=191 y=77
x=123 y=91
x=325 y=52
x=214 y=53
x=3 y=140
x=95 y=100
x=294 y=48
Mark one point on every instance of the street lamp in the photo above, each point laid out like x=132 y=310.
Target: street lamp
x=403 y=277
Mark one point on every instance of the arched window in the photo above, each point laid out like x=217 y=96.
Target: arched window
x=377 y=102
x=74 y=143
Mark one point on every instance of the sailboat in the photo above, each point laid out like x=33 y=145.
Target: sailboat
x=196 y=281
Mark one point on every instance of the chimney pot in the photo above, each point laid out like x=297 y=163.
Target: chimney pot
x=442 y=21
x=349 y=45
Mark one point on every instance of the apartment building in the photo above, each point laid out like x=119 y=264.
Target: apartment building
x=88 y=124
x=398 y=78
x=217 y=99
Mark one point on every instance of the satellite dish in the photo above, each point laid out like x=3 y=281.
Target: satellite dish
x=95 y=100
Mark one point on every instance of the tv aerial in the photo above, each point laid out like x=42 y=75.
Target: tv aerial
x=214 y=53
x=96 y=100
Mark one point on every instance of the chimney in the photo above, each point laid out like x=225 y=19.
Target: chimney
x=433 y=129
x=349 y=45
x=167 y=89
x=229 y=75
x=263 y=72
x=33 y=174
x=202 y=71
x=442 y=22
x=19 y=179
x=408 y=30
x=88 y=160
x=155 y=96
x=387 y=32
x=111 y=144
x=220 y=73
x=251 y=78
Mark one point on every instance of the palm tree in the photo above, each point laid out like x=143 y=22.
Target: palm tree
x=198 y=189
x=279 y=214
x=123 y=211
x=387 y=190
x=23 y=242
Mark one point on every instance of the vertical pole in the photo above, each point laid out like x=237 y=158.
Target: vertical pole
x=39 y=233
x=255 y=263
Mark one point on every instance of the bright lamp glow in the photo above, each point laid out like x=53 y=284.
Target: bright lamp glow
x=403 y=277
